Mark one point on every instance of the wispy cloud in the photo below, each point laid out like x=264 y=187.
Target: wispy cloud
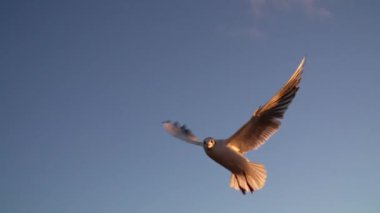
x=311 y=8
x=262 y=10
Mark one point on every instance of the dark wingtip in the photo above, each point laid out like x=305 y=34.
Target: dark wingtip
x=242 y=190
x=248 y=183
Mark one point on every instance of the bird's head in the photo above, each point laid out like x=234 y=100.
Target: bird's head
x=209 y=143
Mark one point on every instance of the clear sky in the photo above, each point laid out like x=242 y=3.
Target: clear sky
x=84 y=86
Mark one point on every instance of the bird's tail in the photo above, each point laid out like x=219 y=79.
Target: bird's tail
x=253 y=179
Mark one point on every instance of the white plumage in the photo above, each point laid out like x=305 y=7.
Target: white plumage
x=246 y=176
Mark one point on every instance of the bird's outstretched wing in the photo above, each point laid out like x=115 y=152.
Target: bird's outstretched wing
x=181 y=132
x=266 y=120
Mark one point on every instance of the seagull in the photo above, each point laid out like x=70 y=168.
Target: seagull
x=246 y=176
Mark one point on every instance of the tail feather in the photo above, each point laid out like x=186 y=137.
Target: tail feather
x=253 y=179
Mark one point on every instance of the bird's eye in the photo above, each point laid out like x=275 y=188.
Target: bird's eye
x=210 y=143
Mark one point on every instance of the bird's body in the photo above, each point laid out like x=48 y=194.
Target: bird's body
x=246 y=176
x=228 y=158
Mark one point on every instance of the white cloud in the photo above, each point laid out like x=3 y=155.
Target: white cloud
x=257 y=29
x=261 y=8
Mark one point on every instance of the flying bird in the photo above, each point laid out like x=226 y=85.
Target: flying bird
x=246 y=176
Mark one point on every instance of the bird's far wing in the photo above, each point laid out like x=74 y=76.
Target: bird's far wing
x=180 y=131
x=267 y=119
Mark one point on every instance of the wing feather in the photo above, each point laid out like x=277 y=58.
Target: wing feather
x=267 y=119
x=180 y=131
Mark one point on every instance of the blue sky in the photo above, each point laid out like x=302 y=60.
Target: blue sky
x=84 y=86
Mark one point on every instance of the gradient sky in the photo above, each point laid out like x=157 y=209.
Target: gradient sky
x=84 y=86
